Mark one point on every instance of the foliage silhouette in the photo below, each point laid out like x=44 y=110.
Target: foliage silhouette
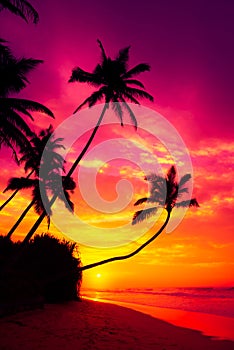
x=114 y=79
x=14 y=131
x=49 y=268
x=32 y=156
x=47 y=179
x=165 y=192
x=20 y=8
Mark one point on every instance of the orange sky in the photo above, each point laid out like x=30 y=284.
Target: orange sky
x=198 y=252
x=189 y=46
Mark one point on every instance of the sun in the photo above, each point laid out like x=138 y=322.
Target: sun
x=98 y=275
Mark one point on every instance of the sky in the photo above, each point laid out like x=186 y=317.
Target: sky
x=190 y=48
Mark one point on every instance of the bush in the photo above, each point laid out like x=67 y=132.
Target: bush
x=47 y=267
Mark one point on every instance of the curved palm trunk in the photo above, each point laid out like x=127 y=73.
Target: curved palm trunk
x=12 y=230
x=127 y=256
x=14 y=193
x=43 y=215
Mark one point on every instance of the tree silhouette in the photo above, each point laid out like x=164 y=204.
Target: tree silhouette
x=165 y=192
x=113 y=79
x=32 y=156
x=14 y=131
x=20 y=8
x=46 y=178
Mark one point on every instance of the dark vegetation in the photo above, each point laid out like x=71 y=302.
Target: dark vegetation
x=47 y=271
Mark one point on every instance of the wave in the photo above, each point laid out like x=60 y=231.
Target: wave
x=211 y=300
x=194 y=292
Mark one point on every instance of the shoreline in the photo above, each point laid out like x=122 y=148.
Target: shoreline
x=214 y=326
x=94 y=325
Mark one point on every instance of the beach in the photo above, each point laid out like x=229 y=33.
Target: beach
x=95 y=325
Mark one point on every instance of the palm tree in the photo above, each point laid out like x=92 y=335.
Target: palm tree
x=14 y=131
x=47 y=165
x=113 y=79
x=32 y=156
x=165 y=192
x=20 y=8
x=38 y=185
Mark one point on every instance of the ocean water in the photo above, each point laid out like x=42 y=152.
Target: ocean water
x=217 y=301
x=209 y=310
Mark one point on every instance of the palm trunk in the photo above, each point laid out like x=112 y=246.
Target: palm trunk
x=42 y=216
x=38 y=222
x=12 y=230
x=127 y=256
x=14 y=193
x=88 y=143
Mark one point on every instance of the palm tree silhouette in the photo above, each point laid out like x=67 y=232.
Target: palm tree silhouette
x=46 y=165
x=113 y=80
x=14 y=131
x=165 y=192
x=32 y=156
x=20 y=8
x=37 y=186
x=47 y=177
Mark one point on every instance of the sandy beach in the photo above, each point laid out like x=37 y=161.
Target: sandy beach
x=94 y=325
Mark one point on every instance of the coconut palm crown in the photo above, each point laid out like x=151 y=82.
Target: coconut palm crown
x=114 y=82
x=165 y=192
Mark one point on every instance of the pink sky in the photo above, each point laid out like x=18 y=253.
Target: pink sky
x=190 y=49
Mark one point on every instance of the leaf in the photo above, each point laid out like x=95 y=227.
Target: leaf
x=140 y=68
x=140 y=201
x=184 y=179
x=141 y=215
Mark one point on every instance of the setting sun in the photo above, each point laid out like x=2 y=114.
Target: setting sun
x=98 y=275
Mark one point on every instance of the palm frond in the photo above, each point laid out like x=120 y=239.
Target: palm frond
x=155 y=178
x=185 y=178
x=24 y=111
x=82 y=76
x=104 y=57
x=189 y=203
x=131 y=98
x=91 y=100
x=134 y=82
x=139 y=93
x=142 y=215
x=13 y=136
x=13 y=73
x=140 y=68
x=182 y=190
x=18 y=122
x=141 y=200
x=21 y=8
x=20 y=183
x=4 y=141
x=14 y=103
x=65 y=197
x=41 y=199
x=118 y=110
x=130 y=112
x=123 y=57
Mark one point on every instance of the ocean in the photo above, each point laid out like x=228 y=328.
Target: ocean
x=209 y=310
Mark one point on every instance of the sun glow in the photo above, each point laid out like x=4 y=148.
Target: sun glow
x=98 y=275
